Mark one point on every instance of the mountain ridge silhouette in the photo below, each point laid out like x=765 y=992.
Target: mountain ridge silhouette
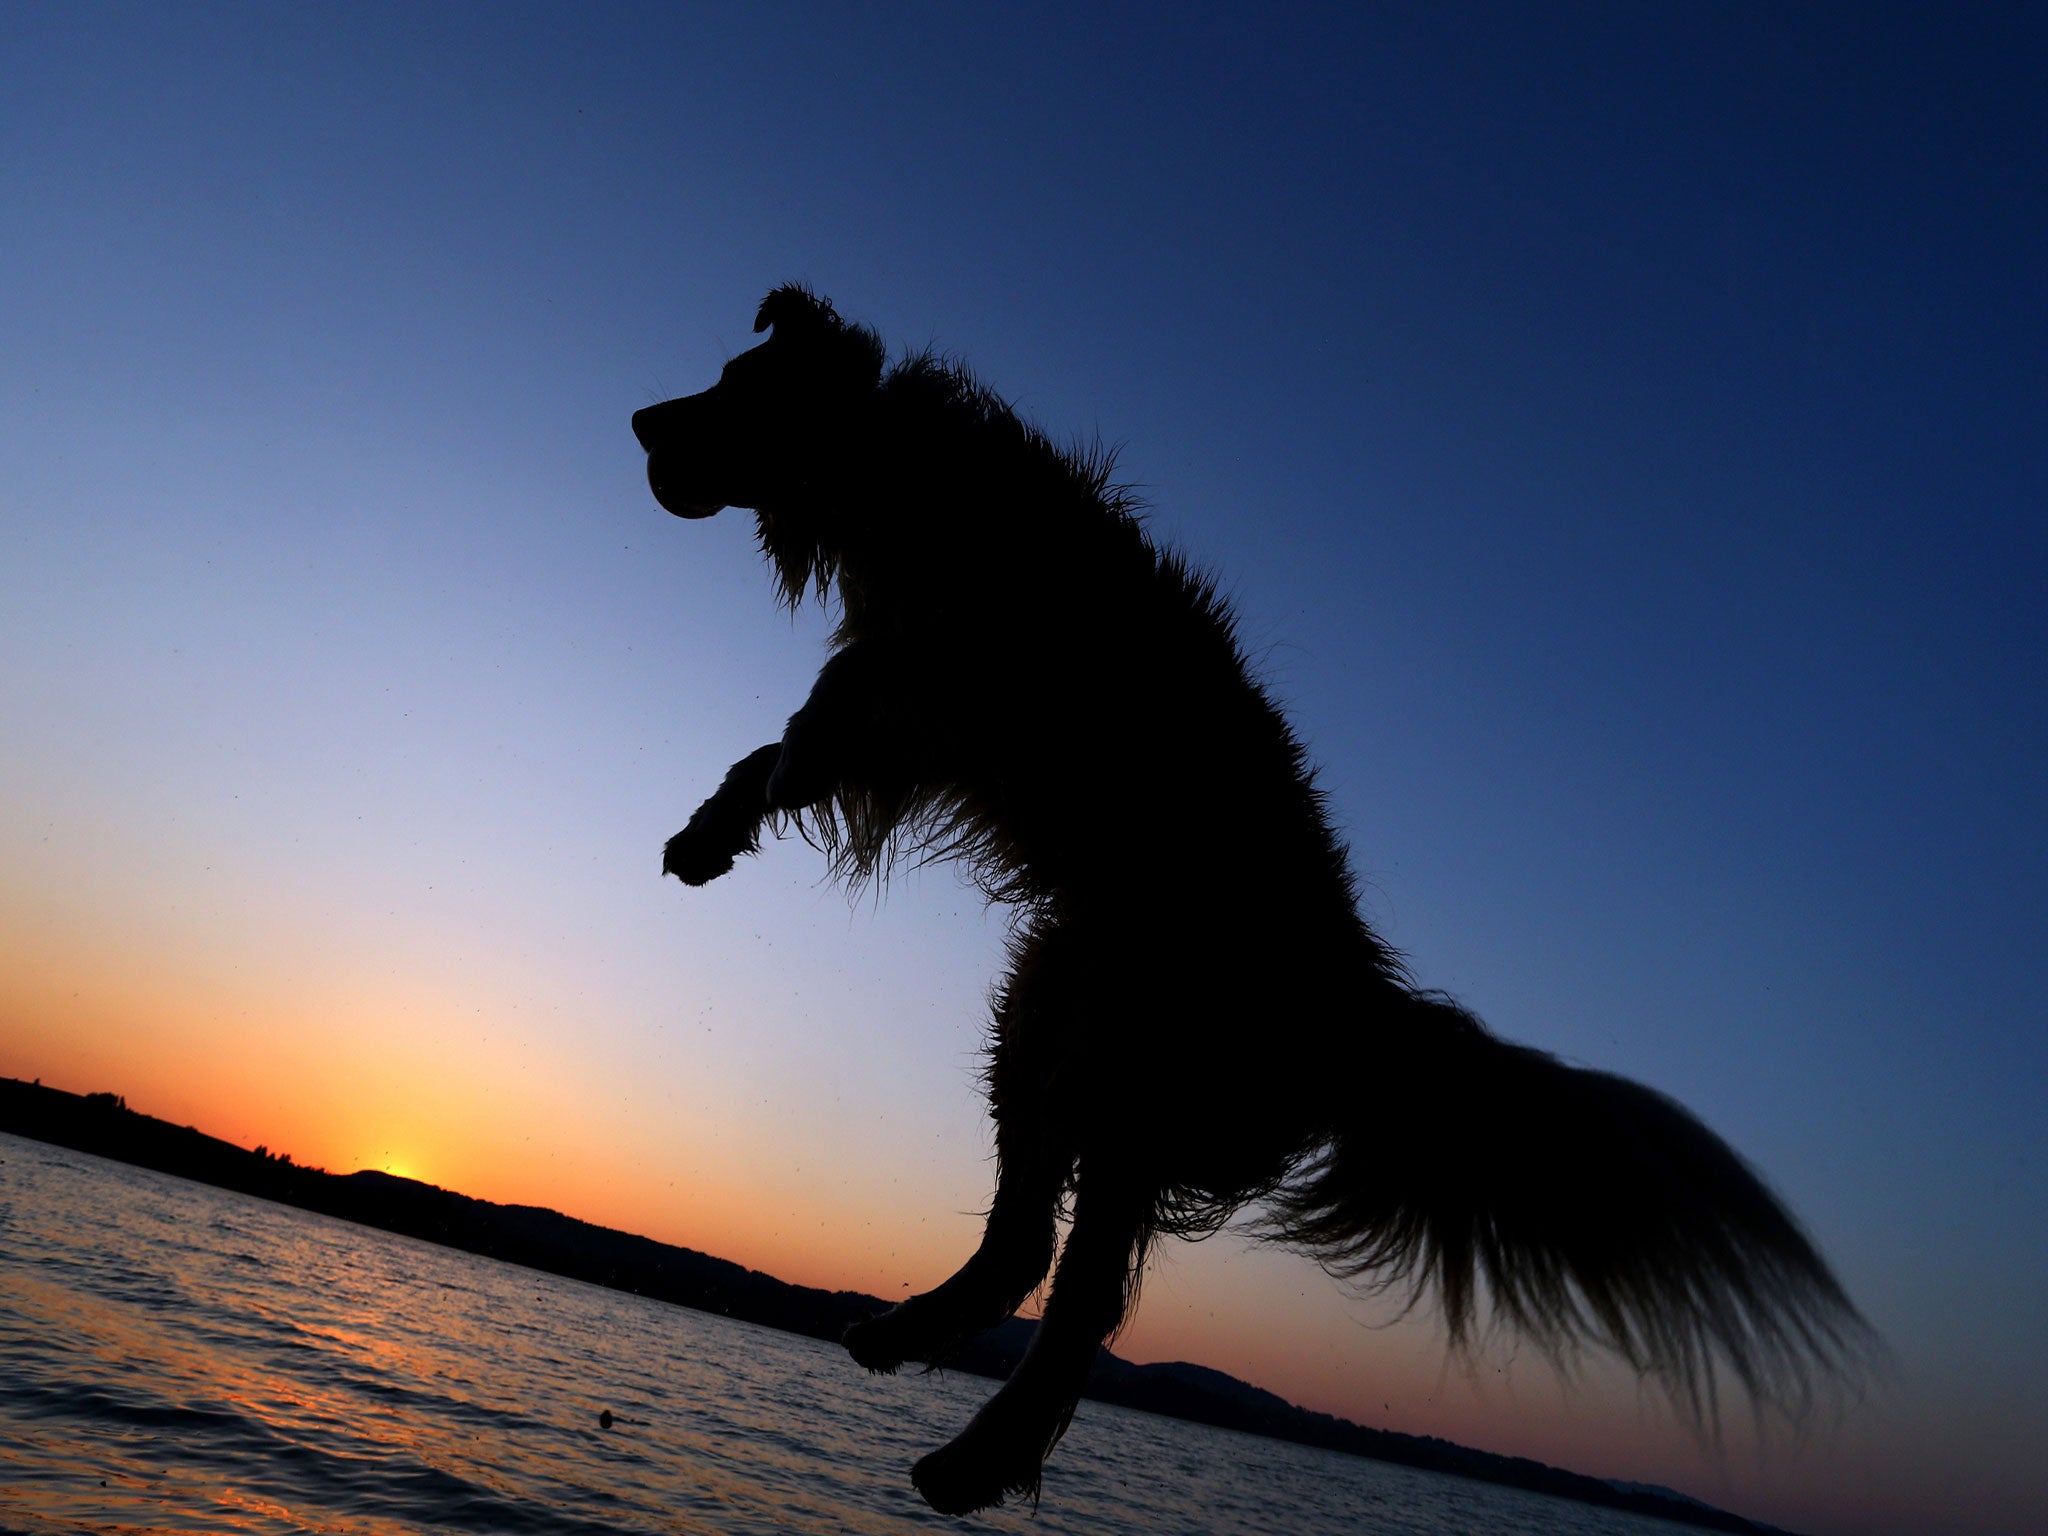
x=102 y=1124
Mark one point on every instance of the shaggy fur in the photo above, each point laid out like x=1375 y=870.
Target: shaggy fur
x=1195 y=1017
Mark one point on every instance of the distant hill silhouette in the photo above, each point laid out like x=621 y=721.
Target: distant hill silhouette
x=102 y=1124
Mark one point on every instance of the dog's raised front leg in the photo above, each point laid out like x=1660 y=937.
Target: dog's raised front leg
x=1003 y=1449
x=728 y=824
x=853 y=720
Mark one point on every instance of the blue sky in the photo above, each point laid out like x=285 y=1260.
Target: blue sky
x=1621 y=429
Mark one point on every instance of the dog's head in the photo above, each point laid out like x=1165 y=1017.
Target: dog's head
x=778 y=415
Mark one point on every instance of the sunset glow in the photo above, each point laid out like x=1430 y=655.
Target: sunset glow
x=1620 y=432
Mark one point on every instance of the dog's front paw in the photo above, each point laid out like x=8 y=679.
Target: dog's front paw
x=694 y=858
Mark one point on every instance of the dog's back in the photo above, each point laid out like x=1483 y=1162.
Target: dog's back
x=1117 y=769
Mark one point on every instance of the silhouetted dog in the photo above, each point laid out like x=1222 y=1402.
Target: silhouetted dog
x=1195 y=1016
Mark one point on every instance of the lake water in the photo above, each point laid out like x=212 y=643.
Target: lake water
x=179 y=1358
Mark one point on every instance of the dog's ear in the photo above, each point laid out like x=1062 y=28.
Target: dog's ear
x=850 y=353
x=793 y=306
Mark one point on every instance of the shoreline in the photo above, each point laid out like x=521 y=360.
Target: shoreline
x=538 y=1238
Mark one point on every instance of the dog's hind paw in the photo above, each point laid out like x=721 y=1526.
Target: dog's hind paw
x=879 y=1343
x=1000 y=1454
x=960 y=1478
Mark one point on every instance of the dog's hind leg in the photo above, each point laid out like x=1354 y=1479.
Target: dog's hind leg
x=1016 y=1250
x=1003 y=1449
x=1033 y=1163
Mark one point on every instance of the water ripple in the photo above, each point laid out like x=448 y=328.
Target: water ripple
x=180 y=1359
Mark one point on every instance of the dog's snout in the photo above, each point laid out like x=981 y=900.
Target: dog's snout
x=682 y=458
x=674 y=423
x=647 y=425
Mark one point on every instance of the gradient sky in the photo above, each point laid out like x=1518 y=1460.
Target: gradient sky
x=1622 y=429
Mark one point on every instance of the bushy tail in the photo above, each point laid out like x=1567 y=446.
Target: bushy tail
x=1589 y=1208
